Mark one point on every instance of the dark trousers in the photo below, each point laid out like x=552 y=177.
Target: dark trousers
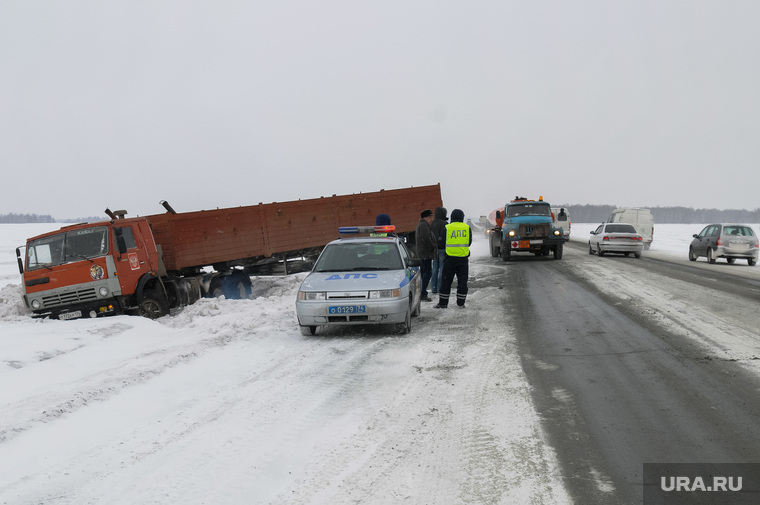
x=458 y=267
x=426 y=269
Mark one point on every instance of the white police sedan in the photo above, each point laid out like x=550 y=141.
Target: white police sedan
x=361 y=280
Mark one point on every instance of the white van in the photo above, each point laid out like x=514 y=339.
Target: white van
x=641 y=219
x=561 y=218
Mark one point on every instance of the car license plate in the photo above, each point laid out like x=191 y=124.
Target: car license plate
x=348 y=309
x=70 y=315
x=738 y=245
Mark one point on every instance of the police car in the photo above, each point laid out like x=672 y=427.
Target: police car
x=361 y=280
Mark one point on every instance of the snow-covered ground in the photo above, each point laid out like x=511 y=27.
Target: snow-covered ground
x=225 y=402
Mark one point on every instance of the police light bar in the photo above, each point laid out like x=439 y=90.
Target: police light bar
x=344 y=230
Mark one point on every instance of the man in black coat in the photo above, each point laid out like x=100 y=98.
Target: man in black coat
x=427 y=249
x=439 y=230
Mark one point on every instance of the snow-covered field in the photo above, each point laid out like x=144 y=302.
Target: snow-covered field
x=224 y=402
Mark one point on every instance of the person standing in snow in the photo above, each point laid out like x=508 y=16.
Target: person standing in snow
x=458 y=241
x=427 y=247
x=439 y=230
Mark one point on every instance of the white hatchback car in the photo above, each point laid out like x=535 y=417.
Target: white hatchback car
x=616 y=238
x=360 y=281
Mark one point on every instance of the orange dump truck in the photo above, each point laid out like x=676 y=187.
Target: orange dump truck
x=148 y=265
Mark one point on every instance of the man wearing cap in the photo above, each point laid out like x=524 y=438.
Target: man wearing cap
x=458 y=241
x=426 y=249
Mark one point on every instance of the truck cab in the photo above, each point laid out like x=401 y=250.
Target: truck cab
x=90 y=269
x=525 y=225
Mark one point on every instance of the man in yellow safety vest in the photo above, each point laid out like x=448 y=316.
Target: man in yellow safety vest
x=458 y=241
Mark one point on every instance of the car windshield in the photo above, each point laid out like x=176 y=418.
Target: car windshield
x=620 y=228
x=741 y=231
x=74 y=245
x=349 y=256
x=529 y=209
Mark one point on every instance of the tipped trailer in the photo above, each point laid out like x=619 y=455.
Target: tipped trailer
x=149 y=265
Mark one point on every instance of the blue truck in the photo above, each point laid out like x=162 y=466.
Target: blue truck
x=526 y=226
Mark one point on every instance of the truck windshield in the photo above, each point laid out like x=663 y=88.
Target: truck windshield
x=74 y=245
x=528 y=209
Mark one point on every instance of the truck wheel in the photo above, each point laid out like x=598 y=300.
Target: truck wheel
x=153 y=305
x=558 y=250
x=495 y=251
x=506 y=253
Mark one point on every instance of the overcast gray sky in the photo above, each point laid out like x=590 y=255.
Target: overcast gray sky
x=213 y=103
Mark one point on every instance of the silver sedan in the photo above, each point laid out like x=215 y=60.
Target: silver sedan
x=616 y=238
x=356 y=281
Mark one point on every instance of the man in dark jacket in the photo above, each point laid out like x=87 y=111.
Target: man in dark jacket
x=439 y=230
x=427 y=248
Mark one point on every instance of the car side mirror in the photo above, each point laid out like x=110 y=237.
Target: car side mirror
x=414 y=263
x=695 y=236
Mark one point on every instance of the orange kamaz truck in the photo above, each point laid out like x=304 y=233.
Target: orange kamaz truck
x=149 y=265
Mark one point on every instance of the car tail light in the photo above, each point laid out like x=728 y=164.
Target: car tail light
x=720 y=241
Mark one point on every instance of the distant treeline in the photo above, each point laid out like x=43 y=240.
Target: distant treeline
x=36 y=218
x=25 y=218
x=667 y=215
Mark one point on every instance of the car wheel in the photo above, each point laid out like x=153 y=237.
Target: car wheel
x=308 y=331
x=406 y=326
x=730 y=261
x=590 y=249
x=692 y=256
x=751 y=261
x=600 y=251
x=637 y=255
x=710 y=257
x=417 y=309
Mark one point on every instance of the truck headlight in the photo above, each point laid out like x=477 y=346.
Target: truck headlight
x=511 y=233
x=556 y=232
x=36 y=304
x=103 y=291
x=311 y=295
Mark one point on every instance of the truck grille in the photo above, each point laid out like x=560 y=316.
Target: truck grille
x=534 y=231
x=83 y=295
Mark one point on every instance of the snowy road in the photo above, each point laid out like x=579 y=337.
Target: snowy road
x=224 y=402
x=643 y=361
